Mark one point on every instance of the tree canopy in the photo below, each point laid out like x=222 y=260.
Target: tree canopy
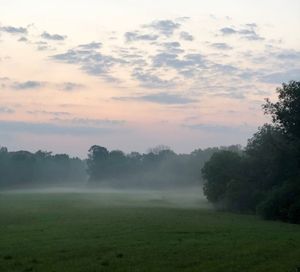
x=265 y=177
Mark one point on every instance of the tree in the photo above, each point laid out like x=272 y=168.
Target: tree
x=97 y=162
x=266 y=177
x=222 y=168
x=271 y=157
x=282 y=203
x=286 y=112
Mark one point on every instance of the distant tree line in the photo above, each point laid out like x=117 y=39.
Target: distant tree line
x=265 y=177
x=160 y=167
x=23 y=169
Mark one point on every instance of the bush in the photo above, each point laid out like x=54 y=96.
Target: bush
x=219 y=171
x=294 y=212
x=282 y=203
x=240 y=196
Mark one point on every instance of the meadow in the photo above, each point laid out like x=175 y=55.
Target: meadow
x=137 y=231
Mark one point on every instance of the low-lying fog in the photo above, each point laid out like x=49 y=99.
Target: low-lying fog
x=184 y=197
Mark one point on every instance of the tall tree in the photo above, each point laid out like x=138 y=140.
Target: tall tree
x=285 y=112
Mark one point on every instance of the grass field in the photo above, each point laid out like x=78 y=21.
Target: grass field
x=145 y=232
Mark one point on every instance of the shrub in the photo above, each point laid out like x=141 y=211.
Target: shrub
x=282 y=203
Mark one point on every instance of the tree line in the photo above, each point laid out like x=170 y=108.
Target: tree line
x=265 y=177
x=160 y=167
x=21 y=169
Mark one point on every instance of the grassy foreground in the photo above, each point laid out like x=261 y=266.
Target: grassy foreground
x=113 y=232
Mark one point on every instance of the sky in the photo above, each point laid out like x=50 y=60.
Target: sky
x=134 y=74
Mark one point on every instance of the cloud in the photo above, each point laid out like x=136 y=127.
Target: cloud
x=148 y=80
x=225 y=68
x=91 y=122
x=53 y=37
x=136 y=36
x=70 y=86
x=6 y=82
x=253 y=37
x=43 y=112
x=172 y=61
x=27 y=85
x=186 y=36
x=251 y=25
x=53 y=129
x=44 y=48
x=133 y=59
x=222 y=46
x=160 y=98
x=220 y=129
x=282 y=77
x=227 y=31
x=289 y=55
x=182 y=19
x=235 y=94
x=248 y=32
x=14 y=30
x=6 y=110
x=172 y=47
x=238 y=91
x=165 y=27
x=23 y=39
x=90 y=61
x=91 y=45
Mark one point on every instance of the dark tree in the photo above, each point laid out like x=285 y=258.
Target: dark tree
x=22 y=169
x=267 y=177
x=219 y=171
x=286 y=112
x=97 y=162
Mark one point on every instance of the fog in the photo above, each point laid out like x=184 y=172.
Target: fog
x=158 y=178
x=178 y=198
x=159 y=168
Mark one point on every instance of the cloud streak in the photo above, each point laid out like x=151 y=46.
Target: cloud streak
x=53 y=37
x=53 y=129
x=136 y=36
x=70 y=86
x=186 y=36
x=160 y=98
x=89 y=60
x=14 y=30
x=6 y=110
x=27 y=85
x=248 y=32
x=164 y=27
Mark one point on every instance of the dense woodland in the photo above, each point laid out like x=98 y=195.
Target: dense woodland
x=265 y=177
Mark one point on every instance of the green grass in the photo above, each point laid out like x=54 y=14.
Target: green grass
x=113 y=232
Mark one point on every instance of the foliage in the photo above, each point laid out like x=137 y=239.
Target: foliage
x=160 y=167
x=265 y=177
x=282 y=203
x=221 y=169
x=286 y=112
x=25 y=169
